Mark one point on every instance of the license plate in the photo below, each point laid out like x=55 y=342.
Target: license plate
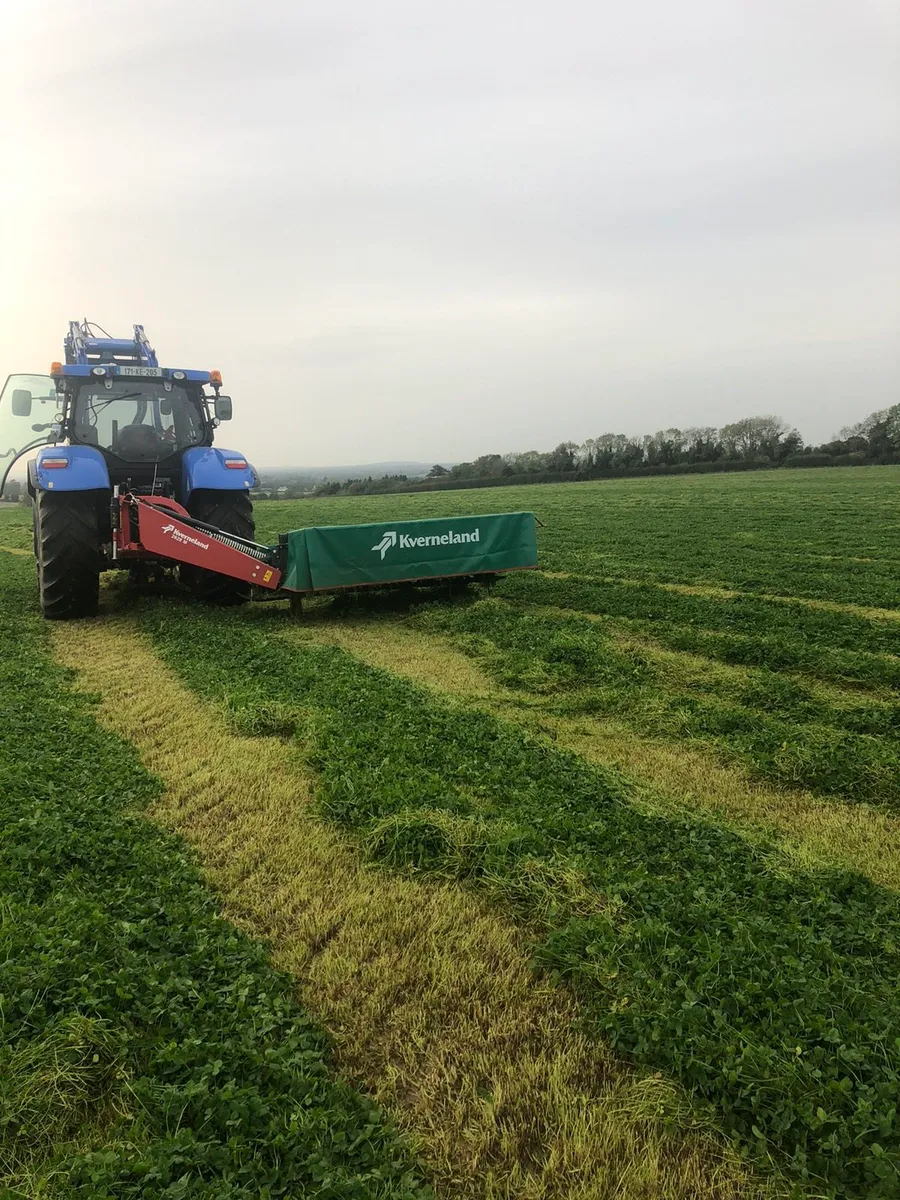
x=142 y=372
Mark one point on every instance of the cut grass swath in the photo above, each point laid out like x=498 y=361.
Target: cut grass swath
x=147 y=1048
x=702 y=960
x=740 y=631
x=680 y=774
x=775 y=724
x=426 y=987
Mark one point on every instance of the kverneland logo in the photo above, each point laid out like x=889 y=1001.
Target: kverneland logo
x=388 y=540
x=178 y=535
x=450 y=538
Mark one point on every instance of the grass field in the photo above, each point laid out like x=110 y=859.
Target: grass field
x=145 y=1043
x=592 y=881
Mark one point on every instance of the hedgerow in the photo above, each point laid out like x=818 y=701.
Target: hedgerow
x=147 y=1048
x=769 y=993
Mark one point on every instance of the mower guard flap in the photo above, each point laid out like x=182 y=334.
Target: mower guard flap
x=340 y=556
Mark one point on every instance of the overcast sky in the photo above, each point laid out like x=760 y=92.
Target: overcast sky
x=406 y=229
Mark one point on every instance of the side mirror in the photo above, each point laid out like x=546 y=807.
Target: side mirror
x=223 y=408
x=21 y=403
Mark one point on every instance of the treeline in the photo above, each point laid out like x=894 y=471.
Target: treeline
x=367 y=486
x=749 y=444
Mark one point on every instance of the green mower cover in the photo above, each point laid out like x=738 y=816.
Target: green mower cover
x=342 y=556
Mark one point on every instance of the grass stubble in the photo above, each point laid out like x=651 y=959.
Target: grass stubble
x=812 y=830
x=427 y=992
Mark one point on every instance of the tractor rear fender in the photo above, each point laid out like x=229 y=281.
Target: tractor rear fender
x=84 y=470
x=207 y=467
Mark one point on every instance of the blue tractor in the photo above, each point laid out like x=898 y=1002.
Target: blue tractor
x=107 y=421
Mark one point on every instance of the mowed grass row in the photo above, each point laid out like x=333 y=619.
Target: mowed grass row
x=738 y=614
x=147 y=1048
x=768 y=993
x=682 y=773
x=426 y=987
x=834 y=647
x=779 y=726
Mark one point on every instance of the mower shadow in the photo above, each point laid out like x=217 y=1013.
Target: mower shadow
x=120 y=593
x=365 y=603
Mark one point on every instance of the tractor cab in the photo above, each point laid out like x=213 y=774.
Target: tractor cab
x=141 y=427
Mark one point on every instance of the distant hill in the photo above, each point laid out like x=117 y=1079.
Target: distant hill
x=353 y=472
x=415 y=470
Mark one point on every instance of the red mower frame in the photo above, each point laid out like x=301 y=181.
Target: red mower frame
x=159 y=528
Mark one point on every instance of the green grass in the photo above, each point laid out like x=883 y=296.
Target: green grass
x=746 y=618
x=680 y=773
x=426 y=987
x=769 y=993
x=834 y=647
x=652 y=605
x=709 y=941
x=147 y=1048
x=15 y=527
x=815 y=707
x=823 y=534
x=783 y=729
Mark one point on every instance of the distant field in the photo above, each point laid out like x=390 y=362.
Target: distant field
x=665 y=768
x=828 y=534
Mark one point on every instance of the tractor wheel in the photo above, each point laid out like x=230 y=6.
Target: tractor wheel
x=233 y=513
x=67 y=543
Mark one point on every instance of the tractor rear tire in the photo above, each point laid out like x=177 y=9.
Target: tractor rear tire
x=231 y=512
x=67 y=543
